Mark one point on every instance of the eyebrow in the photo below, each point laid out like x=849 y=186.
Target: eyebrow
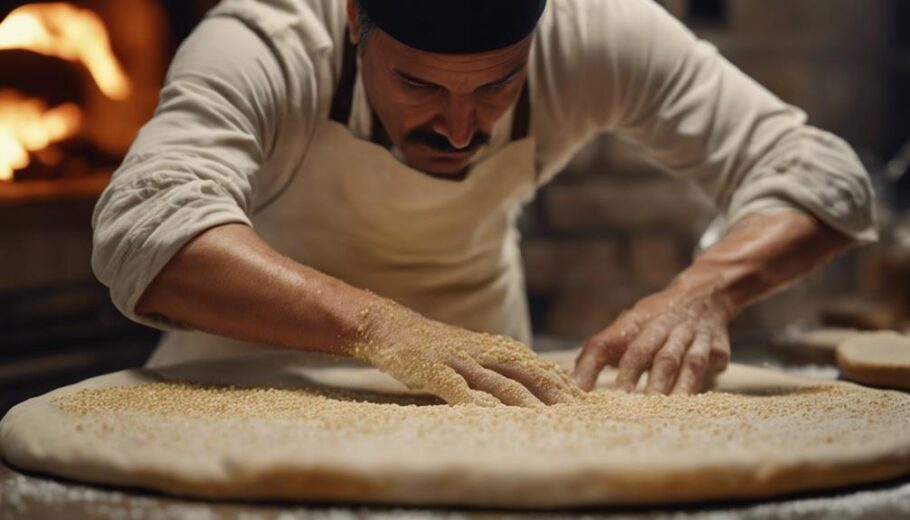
x=507 y=77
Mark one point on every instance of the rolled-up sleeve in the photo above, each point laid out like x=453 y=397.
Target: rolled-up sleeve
x=702 y=118
x=193 y=166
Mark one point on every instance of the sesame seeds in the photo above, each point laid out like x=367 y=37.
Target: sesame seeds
x=803 y=419
x=433 y=357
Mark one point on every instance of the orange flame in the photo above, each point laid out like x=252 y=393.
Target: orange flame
x=70 y=33
x=63 y=31
x=26 y=125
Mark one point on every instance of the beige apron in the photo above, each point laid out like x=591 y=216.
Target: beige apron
x=448 y=249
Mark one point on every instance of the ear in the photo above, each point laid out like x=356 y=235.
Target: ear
x=353 y=22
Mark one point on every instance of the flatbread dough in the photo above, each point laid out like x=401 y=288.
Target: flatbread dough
x=878 y=359
x=355 y=435
x=813 y=346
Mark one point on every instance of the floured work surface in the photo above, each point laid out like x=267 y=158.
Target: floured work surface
x=317 y=439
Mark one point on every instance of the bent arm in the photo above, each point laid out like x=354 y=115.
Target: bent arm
x=228 y=281
x=210 y=156
x=796 y=195
x=705 y=120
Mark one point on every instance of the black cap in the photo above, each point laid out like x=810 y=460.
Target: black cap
x=455 y=26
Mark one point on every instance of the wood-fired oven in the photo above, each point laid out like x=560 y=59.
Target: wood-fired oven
x=77 y=81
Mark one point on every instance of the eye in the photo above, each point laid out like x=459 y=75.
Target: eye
x=417 y=84
x=497 y=87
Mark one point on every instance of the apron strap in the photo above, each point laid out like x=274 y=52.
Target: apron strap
x=343 y=98
x=521 y=121
x=344 y=92
x=378 y=135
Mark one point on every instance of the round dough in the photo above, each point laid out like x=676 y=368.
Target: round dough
x=878 y=359
x=289 y=431
x=813 y=346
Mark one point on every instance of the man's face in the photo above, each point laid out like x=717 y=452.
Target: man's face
x=439 y=109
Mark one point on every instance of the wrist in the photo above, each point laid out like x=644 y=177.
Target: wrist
x=333 y=316
x=761 y=254
x=374 y=320
x=714 y=286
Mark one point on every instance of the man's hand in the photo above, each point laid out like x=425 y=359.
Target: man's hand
x=680 y=334
x=460 y=366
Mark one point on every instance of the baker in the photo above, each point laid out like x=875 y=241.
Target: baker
x=345 y=177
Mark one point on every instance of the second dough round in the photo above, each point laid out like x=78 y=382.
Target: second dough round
x=878 y=359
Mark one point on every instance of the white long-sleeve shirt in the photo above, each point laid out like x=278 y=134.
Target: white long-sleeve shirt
x=249 y=86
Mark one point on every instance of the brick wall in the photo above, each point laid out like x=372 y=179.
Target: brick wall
x=607 y=231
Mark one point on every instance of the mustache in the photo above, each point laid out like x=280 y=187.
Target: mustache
x=440 y=143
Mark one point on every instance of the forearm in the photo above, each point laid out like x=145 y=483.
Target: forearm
x=762 y=253
x=228 y=281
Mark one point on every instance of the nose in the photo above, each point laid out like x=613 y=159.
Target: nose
x=459 y=120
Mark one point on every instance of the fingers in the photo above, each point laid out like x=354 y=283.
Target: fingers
x=638 y=357
x=568 y=382
x=668 y=361
x=694 y=366
x=685 y=362
x=452 y=388
x=720 y=356
x=603 y=349
x=717 y=362
x=546 y=385
x=514 y=360
x=506 y=390
x=588 y=365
